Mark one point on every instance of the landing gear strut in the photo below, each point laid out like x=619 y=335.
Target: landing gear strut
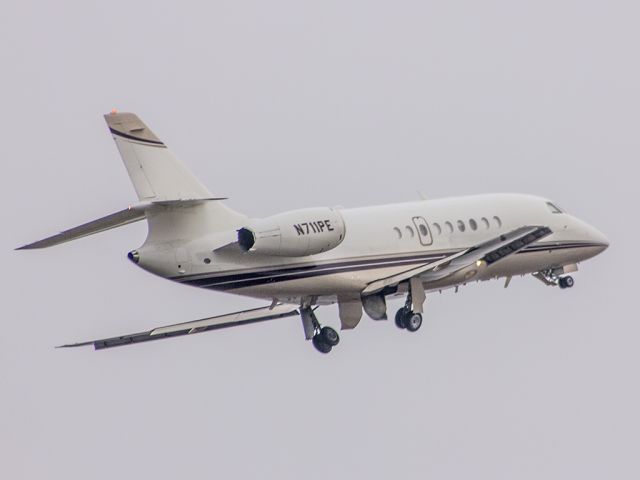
x=323 y=338
x=407 y=319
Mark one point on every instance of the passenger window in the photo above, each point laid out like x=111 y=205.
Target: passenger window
x=438 y=228
x=461 y=226
x=485 y=222
x=410 y=231
x=423 y=230
x=473 y=224
x=449 y=227
x=498 y=221
x=398 y=232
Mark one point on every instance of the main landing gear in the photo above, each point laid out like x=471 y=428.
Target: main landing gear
x=323 y=338
x=407 y=319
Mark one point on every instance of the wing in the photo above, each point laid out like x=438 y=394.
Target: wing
x=478 y=256
x=196 y=326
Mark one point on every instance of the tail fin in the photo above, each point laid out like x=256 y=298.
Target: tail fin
x=161 y=179
x=175 y=204
x=155 y=172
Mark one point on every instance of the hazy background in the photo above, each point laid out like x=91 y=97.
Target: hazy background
x=285 y=104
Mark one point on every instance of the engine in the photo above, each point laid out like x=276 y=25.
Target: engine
x=294 y=234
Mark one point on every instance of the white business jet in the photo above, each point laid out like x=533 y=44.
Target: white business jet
x=302 y=259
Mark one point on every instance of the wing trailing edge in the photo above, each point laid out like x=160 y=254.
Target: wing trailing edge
x=196 y=326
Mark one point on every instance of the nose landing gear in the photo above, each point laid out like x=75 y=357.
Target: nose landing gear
x=552 y=277
x=565 y=282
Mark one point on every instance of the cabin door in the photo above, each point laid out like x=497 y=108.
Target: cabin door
x=424 y=233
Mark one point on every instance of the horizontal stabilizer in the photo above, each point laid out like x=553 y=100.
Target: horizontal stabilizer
x=118 y=219
x=123 y=217
x=196 y=326
x=185 y=202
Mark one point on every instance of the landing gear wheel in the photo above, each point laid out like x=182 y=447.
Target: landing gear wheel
x=566 y=282
x=329 y=336
x=413 y=322
x=320 y=344
x=401 y=316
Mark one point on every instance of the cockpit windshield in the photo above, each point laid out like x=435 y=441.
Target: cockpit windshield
x=554 y=208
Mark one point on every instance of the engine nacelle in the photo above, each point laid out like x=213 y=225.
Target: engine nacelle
x=294 y=234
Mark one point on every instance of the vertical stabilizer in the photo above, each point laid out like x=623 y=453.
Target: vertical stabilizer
x=161 y=179
x=154 y=170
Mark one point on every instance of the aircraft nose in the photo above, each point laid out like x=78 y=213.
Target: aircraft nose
x=598 y=238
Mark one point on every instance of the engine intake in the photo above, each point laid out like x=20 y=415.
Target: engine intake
x=294 y=234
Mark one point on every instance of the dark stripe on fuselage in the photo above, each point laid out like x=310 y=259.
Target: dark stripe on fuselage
x=314 y=268
x=369 y=263
x=227 y=281
x=542 y=248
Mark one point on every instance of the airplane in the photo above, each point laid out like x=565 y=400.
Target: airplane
x=303 y=259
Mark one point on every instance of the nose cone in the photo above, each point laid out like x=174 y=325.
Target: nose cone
x=598 y=237
x=593 y=242
x=595 y=237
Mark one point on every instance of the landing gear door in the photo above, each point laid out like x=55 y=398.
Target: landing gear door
x=424 y=233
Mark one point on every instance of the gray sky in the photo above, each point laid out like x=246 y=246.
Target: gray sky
x=286 y=104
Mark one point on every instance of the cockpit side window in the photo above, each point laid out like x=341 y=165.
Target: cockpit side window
x=554 y=208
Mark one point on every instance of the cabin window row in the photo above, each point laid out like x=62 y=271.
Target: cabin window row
x=448 y=227
x=461 y=226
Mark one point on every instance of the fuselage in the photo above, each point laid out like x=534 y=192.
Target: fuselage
x=381 y=241
x=355 y=257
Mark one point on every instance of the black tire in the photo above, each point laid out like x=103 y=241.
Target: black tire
x=566 y=282
x=329 y=336
x=320 y=344
x=401 y=315
x=413 y=322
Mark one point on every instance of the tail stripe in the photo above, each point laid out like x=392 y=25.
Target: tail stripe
x=137 y=139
